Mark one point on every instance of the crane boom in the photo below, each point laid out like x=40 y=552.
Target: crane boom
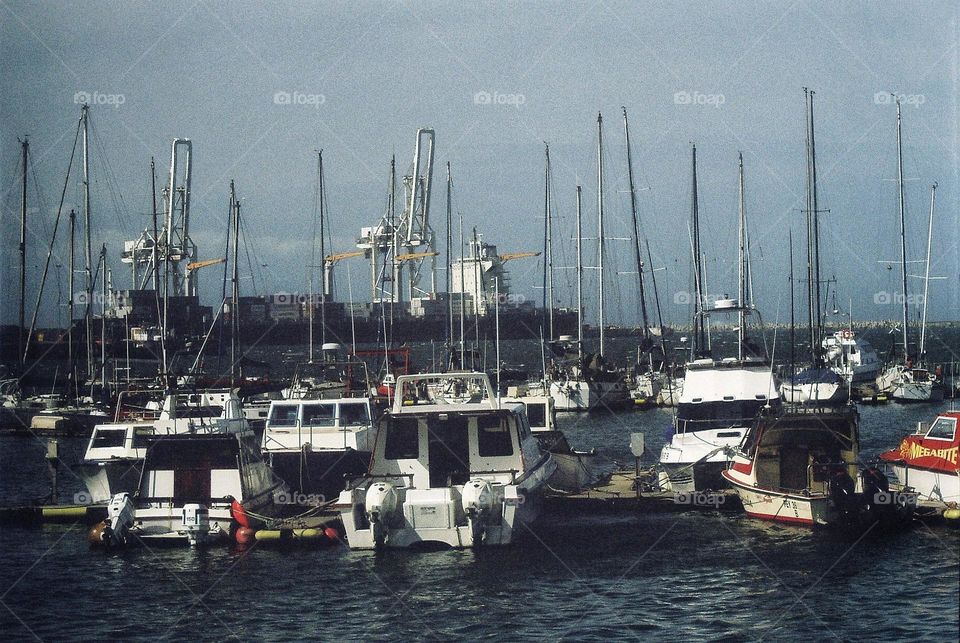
x=507 y=256
x=196 y=265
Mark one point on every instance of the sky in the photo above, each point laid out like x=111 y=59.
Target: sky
x=496 y=81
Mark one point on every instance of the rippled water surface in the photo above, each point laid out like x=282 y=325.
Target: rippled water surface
x=587 y=577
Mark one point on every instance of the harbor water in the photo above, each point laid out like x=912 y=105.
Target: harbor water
x=585 y=576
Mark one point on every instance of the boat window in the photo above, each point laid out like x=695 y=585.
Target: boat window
x=493 y=436
x=943 y=429
x=284 y=415
x=318 y=414
x=108 y=438
x=537 y=414
x=449 y=450
x=403 y=439
x=140 y=435
x=353 y=414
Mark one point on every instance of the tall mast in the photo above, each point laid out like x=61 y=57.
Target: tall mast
x=153 y=190
x=463 y=304
x=25 y=145
x=73 y=224
x=903 y=237
x=741 y=267
x=636 y=228
x=88 y=253
x=235 y=284
x=792 y=319
x=449 y=256
x=548 y=245
x=323 y=255
x=700 y=339
x=811 y=272
x=926 y=277
x=103 y=318
x=600 y=222
x=579 y=278
x=815 y=214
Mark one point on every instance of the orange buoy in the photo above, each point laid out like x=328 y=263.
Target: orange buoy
x=239 y=514
x=96 y=536
x=245 y=535
x=332 y=534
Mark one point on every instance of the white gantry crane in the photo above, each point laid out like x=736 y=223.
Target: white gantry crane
x=399 y=246
x=169 y=245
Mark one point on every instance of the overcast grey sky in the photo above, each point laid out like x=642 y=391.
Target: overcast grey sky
x=728 y=76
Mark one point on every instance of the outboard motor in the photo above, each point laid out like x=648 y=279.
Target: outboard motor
x=195 y=519
x=381 y=503
x=120 y=514
x=478 y=501
x=843 y=492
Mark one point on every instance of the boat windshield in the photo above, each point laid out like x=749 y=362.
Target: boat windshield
x=717 y=415
x=943 y=429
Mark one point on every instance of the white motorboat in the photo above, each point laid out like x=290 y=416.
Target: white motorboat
x=445 y=471
x=719 y=401
x=926 y=461
x=115 y=452
x=194 y=489
x=313 y=444
x=851 y=357
x=720 y=397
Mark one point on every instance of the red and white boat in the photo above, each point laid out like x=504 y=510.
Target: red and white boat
x=926 y=461
x=800 y=467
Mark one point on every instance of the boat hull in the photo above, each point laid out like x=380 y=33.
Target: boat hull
x=767 y=504
x=928 y=484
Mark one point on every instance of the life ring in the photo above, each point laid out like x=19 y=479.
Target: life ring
x=846 y=334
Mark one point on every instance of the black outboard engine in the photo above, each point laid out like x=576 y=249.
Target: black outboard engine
x=843 y=492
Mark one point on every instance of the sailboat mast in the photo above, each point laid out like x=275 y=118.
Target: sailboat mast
x=579 y=277
x=808 y=212
x=73 y=225
x=926 y=277
x=88 y=253
x=700 y=339
x=323 y=254
x=25 y=145
x=793 y=342
x=600 y=224
x=815 y=214
x=153 y=213
x=463 y=301
x=103 y=317
x=741 y=268
x=449 y=256
x=903 y=237
x=548 y=245
x=235 y=285
x=636 y=228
